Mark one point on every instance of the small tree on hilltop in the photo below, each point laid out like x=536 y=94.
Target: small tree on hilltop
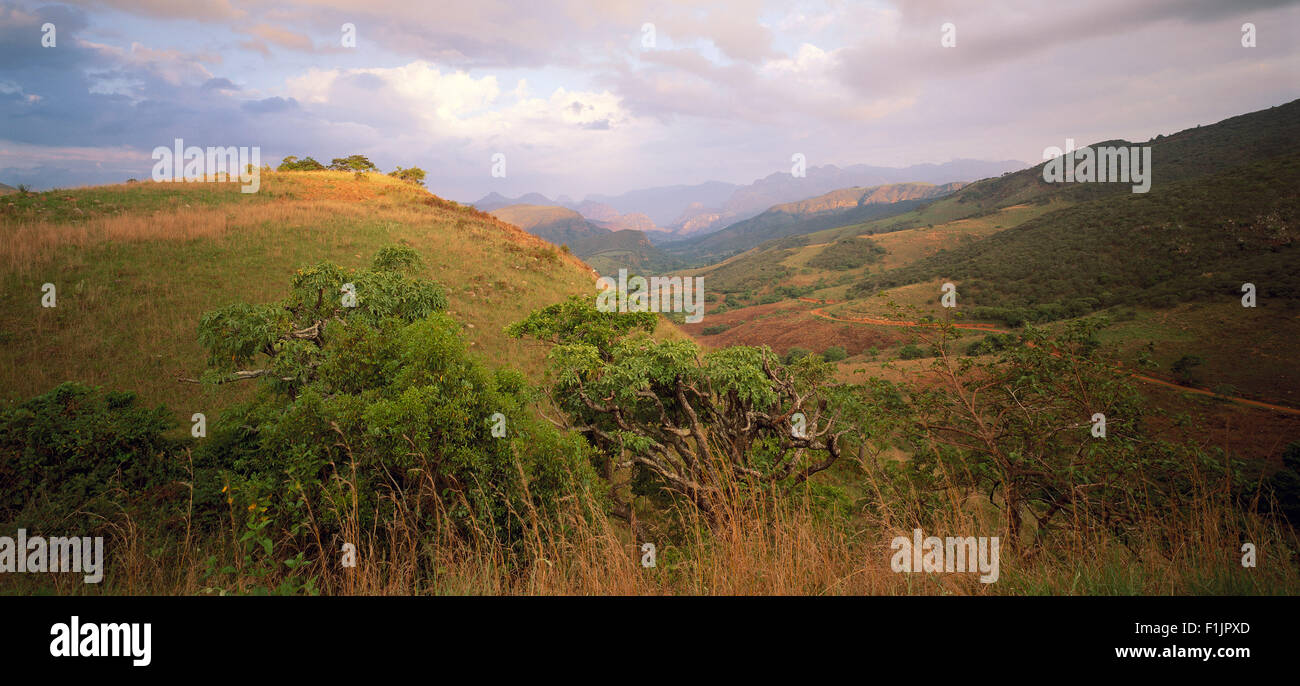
x=353 y=163
x=413 y=175
x=292 y=163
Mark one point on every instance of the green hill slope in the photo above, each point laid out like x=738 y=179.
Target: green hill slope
x=837 y=208
x=135 y=266
x=1222 y=213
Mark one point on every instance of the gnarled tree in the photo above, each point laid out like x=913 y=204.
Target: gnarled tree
x=696 y=425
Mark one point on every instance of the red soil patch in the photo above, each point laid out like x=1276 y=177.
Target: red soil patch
x=787 y=325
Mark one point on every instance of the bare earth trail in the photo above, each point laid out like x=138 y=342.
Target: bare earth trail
x=819 y=312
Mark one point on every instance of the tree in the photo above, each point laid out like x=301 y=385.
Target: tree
x=911 y=351
x=292 y=163
x=1284 y=485
x=373 y=412
x=413 y=175
x=1184 y=369
x=795 y=354
x=353 y=163
x=1023 y=429
x=694 y=426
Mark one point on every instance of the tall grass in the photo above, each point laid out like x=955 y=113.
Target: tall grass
x=764 y=543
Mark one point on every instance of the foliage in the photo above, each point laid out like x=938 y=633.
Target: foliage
x=1020 y=428
x=795 y=354
x=1184 y=369
x=413 y=175
x=834 y=353
x=352 y=163
x=686 y=424
x=76 y=455
x=848 y=253
x=292 y=163
x=1284 y=485
x=376 y=412
x=911 y=351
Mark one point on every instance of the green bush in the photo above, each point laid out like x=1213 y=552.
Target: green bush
x=377 y=413
x=74 y=456
x=795 y=354
x=292 y=163
x=835 y=354
x=911 y=351
x=1184 y=369
x=847 y=253
x=413 y=175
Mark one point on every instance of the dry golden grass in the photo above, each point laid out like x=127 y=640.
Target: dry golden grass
x=766 y=544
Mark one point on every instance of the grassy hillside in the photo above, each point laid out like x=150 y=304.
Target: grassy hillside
x=837 y=208
x=136 y=265
x=1189 y=240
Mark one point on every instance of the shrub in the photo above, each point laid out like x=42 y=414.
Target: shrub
x=1284 y=485
x=795 y=354
x=1184 y=369
x=911 y=351
x=292 y=163
x=77 y=455
x=356 y=163
x=835 y=354
x=689 y=424
x=413 y=175
x=377 y=413
x=847 y=253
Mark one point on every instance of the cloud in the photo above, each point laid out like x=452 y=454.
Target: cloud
x=565 y=89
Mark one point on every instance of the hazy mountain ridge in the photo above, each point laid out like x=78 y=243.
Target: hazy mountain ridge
x=839 y=207
x=558 y=225
x=782 y=187
x=684 y=211
x=604 y=249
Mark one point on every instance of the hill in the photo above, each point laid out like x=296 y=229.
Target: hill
x=837 y=208
x=604 y=249
x=135 y=266
x=558 y=225
x=5 y=189
x=495 y=201
x=1221 y=213
x=782 y=187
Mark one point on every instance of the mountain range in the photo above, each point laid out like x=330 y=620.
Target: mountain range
x=684 y=211
x=606 y=250
x=837 y=208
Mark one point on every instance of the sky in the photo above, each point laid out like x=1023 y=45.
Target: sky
x=606 y=96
